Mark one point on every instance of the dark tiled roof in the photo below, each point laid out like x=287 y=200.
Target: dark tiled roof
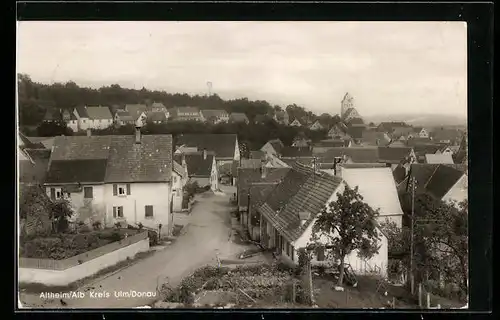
x=296 y=152
x=99 y=113
x=247 y=176
x=332 y=143
x=34 y=172
x=177 y=168
x=82 y=111
x=277 y=145
x=393 y=154
x=223 y=145
x=399 y=174
x=183 y=111
x=354 y=121
x=158 y=105
x=423 y=149
x=357 y=155
x=238 y=117
x=375 y=138
x=81 y=147
x=421 y=173
x=309 y=194
x=124 y=115
x=135 y=110
x=149 y=161
x=444 y=134
x=417 y=140
x=251 y=163
x=258 y=195
x=257 y=154
x=443 y=179
x=356 y=132
x=71 y=171
x=197 y=166
x=214 y=113
x=156 y=116
x=307 y=161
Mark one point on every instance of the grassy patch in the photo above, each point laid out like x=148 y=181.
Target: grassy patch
x=38 y=287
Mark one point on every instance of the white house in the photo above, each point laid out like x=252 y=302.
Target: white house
x=215 y=116
x=419 y=132
x=114 y=179
x=82 y=117
x=70 y=119
x=296 y=123
x=179 y=180
x=316 y=126
x=291 y=209
x=99 y=117
x=202 y=168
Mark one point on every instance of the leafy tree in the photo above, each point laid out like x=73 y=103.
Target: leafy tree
x=50 y=129
x=60 y=212
x=348 y=224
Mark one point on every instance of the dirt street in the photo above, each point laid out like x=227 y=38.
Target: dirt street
x=206 y=234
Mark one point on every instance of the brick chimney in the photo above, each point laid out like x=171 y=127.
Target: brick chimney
x=89 y=132
x=204 y=154
x=137 y=135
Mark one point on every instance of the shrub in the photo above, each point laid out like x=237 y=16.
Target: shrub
x=110 y=235
x=118 y=225
x=97 y=225
x=84 y=229
x=140 y=226
x=153 y=238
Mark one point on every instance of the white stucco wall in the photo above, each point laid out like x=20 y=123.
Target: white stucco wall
x=142 y=194
x=100 y=123
x=65 y=277
x=177 y=191
x=459 y=192
x=237 y=150
x=73 y=124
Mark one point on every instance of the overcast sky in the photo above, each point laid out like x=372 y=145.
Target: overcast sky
x=388 y=67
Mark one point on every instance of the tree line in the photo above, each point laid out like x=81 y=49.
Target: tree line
x=35 y=99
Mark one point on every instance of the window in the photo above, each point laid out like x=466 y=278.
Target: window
x=148 y=211
x=88 y=192
x=118 y=212
x=320 y=253
x=58 y=194
x=121 y=189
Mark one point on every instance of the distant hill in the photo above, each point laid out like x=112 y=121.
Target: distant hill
x=426 y=120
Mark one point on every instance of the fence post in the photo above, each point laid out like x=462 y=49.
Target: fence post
x=420 y=295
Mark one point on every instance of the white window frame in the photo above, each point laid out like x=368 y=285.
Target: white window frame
x=121 y=187
x=117 y=211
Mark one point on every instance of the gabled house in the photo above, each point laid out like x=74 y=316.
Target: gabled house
x=123 y=179
x=440 y=181
x=33 y=160
x=423 y=149
x=185 y=114
x=375 y=138
x=202 y=168
x=296 y=123
x=180 y=178
x=82 y=117
x=123 y=117
x=156 y=117
x=282 y=117
x=159 y=107
x=392 y=156
x=445 y=135
x=215 y=116
x=70 y=119
x=273 y=148
x=419 y=132
x=225 y=146
x=324 y=145
x=238 y=117
x=316 y=126
x=334 y=156
x=52 y=115
x=137 y=111
x=338 y=131
x=99 y=117
x=371 y=179
x=356 y=133
x=288 y=214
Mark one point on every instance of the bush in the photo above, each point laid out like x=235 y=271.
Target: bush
x=110 y=235
x=153 y=238
x=97 y=225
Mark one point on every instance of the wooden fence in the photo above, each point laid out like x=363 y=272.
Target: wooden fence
x=81 y=258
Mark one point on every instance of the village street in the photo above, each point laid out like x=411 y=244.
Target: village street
x=207 y=233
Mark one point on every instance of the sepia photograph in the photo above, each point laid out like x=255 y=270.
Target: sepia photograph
x=242 y=165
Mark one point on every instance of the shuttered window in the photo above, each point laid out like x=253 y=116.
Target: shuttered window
x=118 y=212
x=148 y=211
x=88 y=192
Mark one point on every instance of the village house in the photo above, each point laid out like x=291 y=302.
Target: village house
x=446 y=135
x=225 y=146
x=338 y=131
x=185 y=114
x=159 y=107
x=180 y=178
x=123 y=117
x=83 y=118
x=202 y=169
x=441 y=181
x=33 y=160
x=355 y=132
x=392 y=156
x=70 y=119
x=214 y=116
x=316 y=126
x=295 y=123
x=123 y=179
x=375 y=138
x=371 y=179
x=324 y=145
x=273 y=148
x=52 y=115
x=248 y=178
x=138 y=112
x=282 y=117
x=419 y=132
x=156 y=117
x=98 y=118
x=331 y=157
x=288 y=214
x=238 y=117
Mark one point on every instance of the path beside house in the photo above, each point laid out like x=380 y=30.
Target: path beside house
x=201 y=239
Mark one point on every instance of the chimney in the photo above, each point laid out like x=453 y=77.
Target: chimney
x=138 y=135
x=204 y=154
x=89 y=132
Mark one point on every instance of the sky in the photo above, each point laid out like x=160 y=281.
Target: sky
x=388 y=67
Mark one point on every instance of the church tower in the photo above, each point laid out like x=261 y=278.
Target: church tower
x=346 y=103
